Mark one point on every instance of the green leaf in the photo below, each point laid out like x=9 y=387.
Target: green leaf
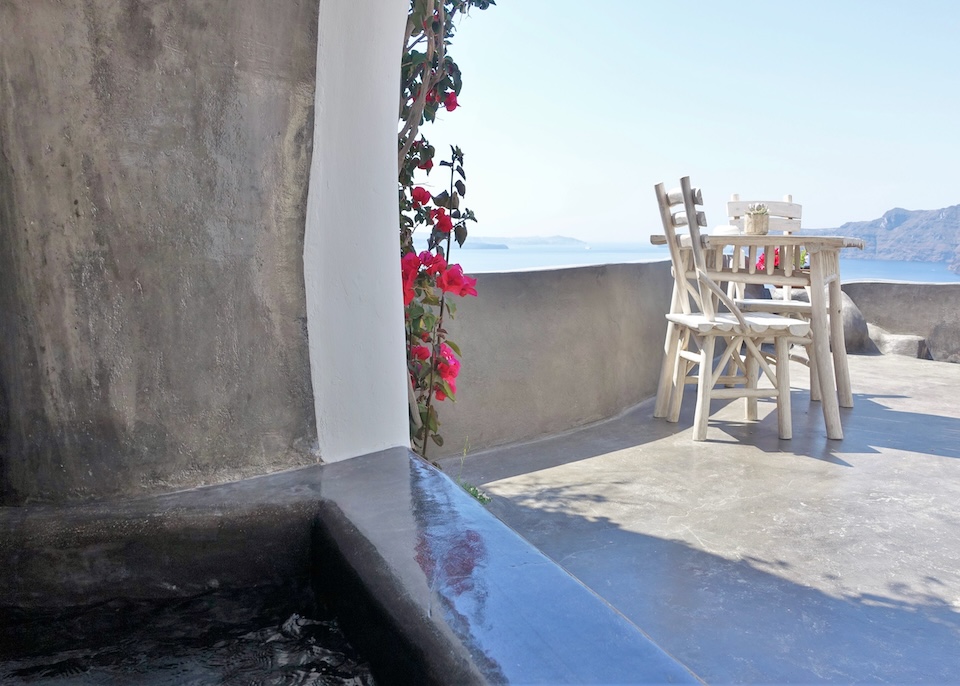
x=437 y=438
x=442 y=199
x=447 y=391
x=454 y=347
x=454 y=202
x=462 y=174
x=460 y=233
x=461 y=187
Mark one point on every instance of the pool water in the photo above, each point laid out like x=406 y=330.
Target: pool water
x=218 y=638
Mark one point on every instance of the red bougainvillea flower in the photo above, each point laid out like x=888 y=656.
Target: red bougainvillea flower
x=762 y=260
x=409 y=268
x=426 y=164
x=450 y=102
x=454 y=281
x=448 y=365
x=442 y=219
x=433 y=264
x=420 y=352
x=421 y=196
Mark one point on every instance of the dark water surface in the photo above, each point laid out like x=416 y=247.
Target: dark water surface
x=217 y=638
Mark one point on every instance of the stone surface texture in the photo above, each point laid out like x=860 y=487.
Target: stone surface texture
x=756 y=560
x=467 y=599
x=931 y=311
x=154 y=160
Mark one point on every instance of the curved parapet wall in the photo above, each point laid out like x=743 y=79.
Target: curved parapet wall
x=929 y=310
x=154 y=162
x=546 y=351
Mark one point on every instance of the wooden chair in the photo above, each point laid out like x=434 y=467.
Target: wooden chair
x=696 y=325
x=785 y=218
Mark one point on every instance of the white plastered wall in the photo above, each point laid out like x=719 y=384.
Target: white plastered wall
x=351 y=257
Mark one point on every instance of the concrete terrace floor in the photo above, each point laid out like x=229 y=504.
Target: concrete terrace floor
x=755 y=560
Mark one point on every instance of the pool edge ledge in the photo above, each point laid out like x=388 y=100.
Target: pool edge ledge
x=456 y=596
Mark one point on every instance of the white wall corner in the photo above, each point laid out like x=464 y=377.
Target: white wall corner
x=351 y=253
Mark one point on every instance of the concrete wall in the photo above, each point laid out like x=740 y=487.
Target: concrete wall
x=928 y=310
x=546 y=351
x=154 y=159
x=351 y=261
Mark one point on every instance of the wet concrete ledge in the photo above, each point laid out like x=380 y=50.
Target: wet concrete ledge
x=437 y=588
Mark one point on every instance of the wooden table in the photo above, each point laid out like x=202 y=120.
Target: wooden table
x=822 y=282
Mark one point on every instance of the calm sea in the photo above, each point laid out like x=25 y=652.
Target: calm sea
x=528 y=257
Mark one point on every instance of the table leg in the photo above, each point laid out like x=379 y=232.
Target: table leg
x=837 y=341
x=821 y=343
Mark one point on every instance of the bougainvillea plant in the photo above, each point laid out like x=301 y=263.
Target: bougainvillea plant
x=430 y=79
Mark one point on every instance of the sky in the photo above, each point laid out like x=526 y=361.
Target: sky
x=571 y=111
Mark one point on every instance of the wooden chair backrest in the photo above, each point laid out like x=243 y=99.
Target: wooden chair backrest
x=784 y=215
x=676 y=207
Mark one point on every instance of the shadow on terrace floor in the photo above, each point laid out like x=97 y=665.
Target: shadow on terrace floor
x=745 y=558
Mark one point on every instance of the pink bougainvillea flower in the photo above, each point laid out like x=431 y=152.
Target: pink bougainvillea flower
x=433 y=264
x=409 y=268
x=450 y=102
x=410 y=264
x=420 y=352
x=443 y=220
x=421 y=196
x=448 y=365
x=426 y=165
x=438 y=389
x=762 y=260
x=454 y=281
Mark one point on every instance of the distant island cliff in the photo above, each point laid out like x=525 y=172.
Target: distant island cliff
x=910 y=235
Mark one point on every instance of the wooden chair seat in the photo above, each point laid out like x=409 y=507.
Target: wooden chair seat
x=758 y=324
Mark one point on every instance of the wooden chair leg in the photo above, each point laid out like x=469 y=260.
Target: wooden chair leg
x=680 y=369
x=671 y=349
x=753 y=379
x=784 y=413
x=814 y=376
x=702 y=413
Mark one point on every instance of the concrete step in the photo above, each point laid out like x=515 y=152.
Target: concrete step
x=898 y=343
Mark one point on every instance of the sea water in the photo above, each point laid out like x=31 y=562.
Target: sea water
x=531 y=257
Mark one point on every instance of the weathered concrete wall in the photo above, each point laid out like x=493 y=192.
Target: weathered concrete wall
x=546 y=351
x=931 y=310
x=153 y=176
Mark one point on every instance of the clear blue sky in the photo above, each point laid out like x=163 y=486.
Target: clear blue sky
x=572 y=111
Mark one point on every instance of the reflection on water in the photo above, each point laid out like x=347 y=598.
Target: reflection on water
x=219 y=638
